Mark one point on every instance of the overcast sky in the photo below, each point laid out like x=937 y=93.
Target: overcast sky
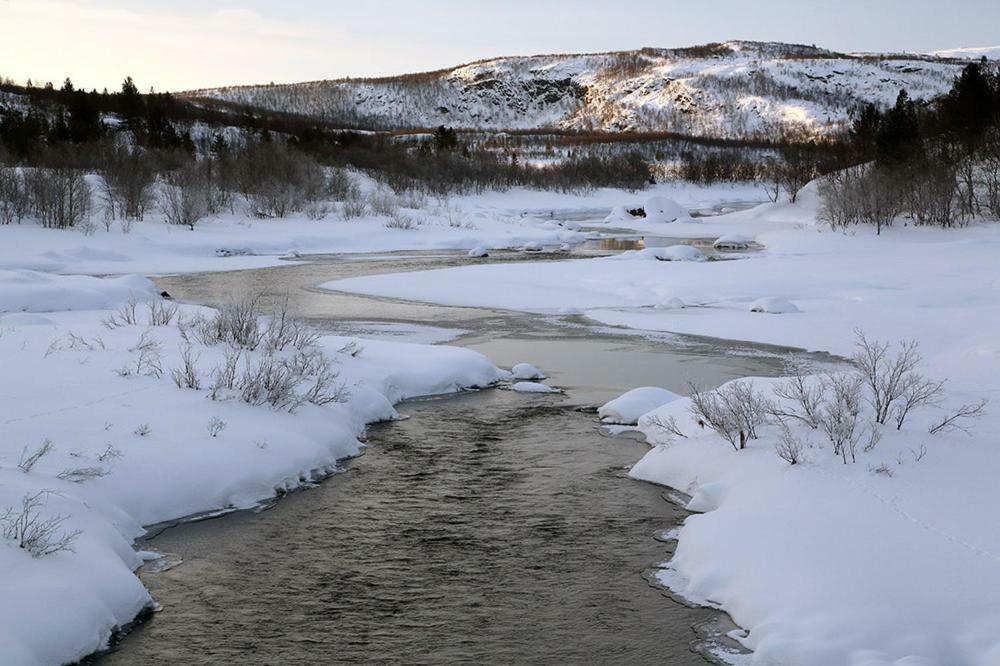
x=183 y=44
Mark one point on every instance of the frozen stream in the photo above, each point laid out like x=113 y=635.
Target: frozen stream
x=490 y=527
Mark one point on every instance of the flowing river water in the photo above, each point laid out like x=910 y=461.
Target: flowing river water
x=490 y=527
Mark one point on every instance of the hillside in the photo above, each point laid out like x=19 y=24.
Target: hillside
x=735 y=90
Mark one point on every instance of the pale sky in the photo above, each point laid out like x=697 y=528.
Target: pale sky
x=184 y=44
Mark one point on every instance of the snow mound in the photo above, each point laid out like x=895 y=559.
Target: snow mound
x=732 y=242
x=527 y=371
x=773 y=305
x=479 y=252
x=533 y=387
x=533 y=246
x=662 y=209
x=628 y=407
x=620 y=214
x=672 y=304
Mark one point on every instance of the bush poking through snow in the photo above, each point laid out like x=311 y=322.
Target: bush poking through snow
x=81 y=474
x=401 y=221
x=161 y=313
x=216 y=426
x=805 y=398
x=790 y=447
x=841 y=414
x=125 y=316
x=38 y=535
x=187 y=375
x=28 y=461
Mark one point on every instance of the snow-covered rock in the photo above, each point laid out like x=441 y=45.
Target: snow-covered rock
x=628 y=407
x=527 y=371
x=662 y=209
x=533 y=387
x=773 y=305
x=671 y=304
x=732 y=242
x=671 y=253
x=479 y=252
x=533 y=246
x=620 y=214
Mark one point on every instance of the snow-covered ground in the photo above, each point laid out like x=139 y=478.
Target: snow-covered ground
x=894 y=559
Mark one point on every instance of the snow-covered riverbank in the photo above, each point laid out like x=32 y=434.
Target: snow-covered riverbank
x=894 y=559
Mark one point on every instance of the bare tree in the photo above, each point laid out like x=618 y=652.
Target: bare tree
x=184 y=197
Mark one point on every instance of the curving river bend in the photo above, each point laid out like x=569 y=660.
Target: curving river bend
x=492 y=527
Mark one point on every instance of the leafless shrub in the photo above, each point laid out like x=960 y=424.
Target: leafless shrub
x=268 y=381
x=667 y=425
x=149 y=357
x=125 y=316
x=142 y=430
x=129 y=176
x=919 y=453
x=734 y=411
x=882 y=469
x=840 y=417
x=15 y=201
x=187 y=376
x=28 y=461
x=318 y=210
x=918 y=391
x=184 y=197
x=954 y=421
x=216 y=426
x=341 y=186
x=284 y=330
x=789 y=447
x=352 y=209
x=161 y=313
x=805 y=398
x=236 y=322
x=60 y=198
x=36 y=534
x=383 y=203
x=109 y=454
x=81 y=474
x=324 y=388
x=352 y=349
x=885 y=377
x=224 y=376
x=401 y=221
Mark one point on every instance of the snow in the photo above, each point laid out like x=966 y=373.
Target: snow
x=533 y=387
x=627 y=408
x=822 y=563
x=526 y=371
x=661 y=209
x=970 y=53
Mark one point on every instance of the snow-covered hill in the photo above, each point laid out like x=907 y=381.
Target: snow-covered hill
x=971 y=53
x=736 y=89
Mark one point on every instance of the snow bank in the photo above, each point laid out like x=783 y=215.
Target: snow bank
x=31 y=291
x=120 y=460
x=627 y=408
x=620 y=214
